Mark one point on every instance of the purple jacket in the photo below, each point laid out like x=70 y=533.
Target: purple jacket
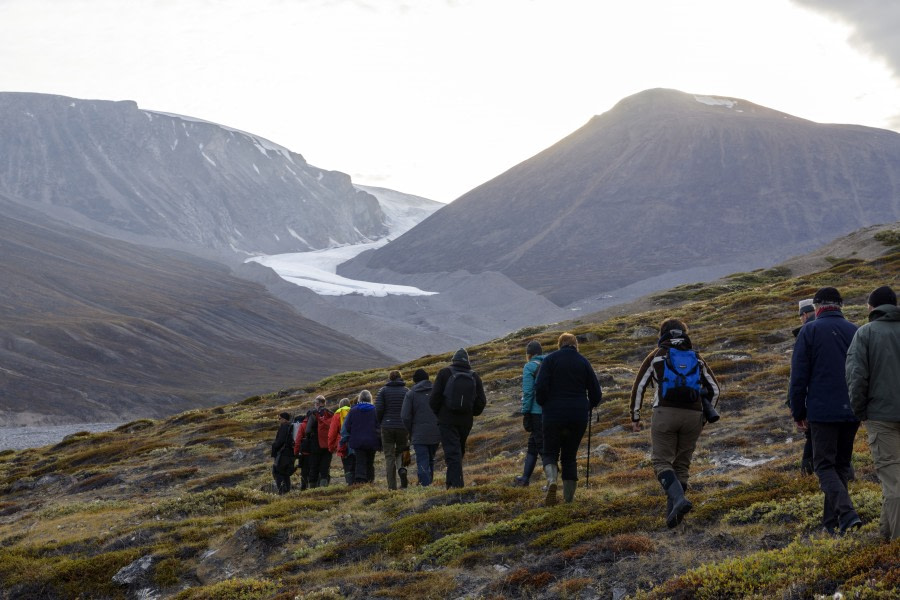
x=361 y=428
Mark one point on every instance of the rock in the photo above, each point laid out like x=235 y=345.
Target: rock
x=611 y=431
x=619 y=593
x=137 y=572
x=501 y=568
x=605 y=452
x=642 y=332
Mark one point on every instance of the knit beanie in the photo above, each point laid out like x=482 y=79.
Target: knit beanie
x=285 y=416
x=420 y=375
x=883 y=295
x=828 y=295
x=533 y=348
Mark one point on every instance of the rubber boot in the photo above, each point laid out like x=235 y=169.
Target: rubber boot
x=348 y=477
x=525 y=478
x=324 y=481
x=552 y=472
x=569 y=486
x=404 y=480
x=680 y=505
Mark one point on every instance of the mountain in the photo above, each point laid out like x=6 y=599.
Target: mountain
x=185 y=508
x=95 y=329
x=662 y=183
x=161 y=179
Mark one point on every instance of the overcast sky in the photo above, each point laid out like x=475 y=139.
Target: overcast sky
x=434 y=97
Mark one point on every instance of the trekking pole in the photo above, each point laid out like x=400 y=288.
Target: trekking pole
x=587 y=477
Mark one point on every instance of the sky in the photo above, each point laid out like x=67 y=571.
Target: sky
x=435 y=97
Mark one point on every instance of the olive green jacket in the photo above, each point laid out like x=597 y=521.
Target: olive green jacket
x=873 y=366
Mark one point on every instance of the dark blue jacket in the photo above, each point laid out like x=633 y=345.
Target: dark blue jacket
x=818 y=383
x=567 y=387
x=361 y=428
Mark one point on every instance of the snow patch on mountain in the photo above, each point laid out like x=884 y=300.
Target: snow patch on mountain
x=317 y=270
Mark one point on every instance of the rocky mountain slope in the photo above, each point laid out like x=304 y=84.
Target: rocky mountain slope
x=93 y=329
x=149 y=177
x=184 y=508
x=663 y=182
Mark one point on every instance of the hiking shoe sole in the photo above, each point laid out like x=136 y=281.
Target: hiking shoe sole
x=550 y=499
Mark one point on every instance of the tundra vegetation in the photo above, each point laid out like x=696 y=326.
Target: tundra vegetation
x=187 y=502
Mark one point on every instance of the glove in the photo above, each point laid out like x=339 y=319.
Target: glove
x=526 y=422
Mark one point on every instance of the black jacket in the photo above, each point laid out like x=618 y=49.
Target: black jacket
x=566 y=386
x=436 y=401
x=389 y=403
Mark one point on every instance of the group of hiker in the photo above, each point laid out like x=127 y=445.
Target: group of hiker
x=840 y=375
x=422 y=418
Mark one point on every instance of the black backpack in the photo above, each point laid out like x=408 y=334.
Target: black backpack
x=459 y=393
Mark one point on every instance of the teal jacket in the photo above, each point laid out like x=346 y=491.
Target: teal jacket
x=529 y=375
x=873 y=366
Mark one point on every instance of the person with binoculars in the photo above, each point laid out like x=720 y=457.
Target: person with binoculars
x=686 y=393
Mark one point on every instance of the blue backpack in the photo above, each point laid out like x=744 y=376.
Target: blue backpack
x=681 y=377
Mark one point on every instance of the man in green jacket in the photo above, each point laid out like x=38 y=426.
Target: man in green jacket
x=873 y=379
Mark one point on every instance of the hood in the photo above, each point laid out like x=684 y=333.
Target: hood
x=364 y=407
x=885 y=312
x=422 y=386
x=396 y=383
x=683 y=342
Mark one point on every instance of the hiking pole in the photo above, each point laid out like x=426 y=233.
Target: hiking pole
x=587 y=476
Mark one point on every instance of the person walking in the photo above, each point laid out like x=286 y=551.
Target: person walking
x=807 y=314
x=681 y=380
x=873 y=380
x=283 y=455
x=532 y=420
x=317 y=426
x=457 y=396
x=334 y=439
x=361 y=434
x=394 y=438
x=820 y=401
x=567 y=390
x=422 y=424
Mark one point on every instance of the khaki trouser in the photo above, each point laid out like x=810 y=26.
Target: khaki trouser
x=393 y=442
x=673 y=438
x=884 y=441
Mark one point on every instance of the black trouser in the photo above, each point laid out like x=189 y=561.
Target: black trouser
x=282 y=482
x=365 y=466
x=561 y=441
x=319 y=466
x=453 y=441
x=349 y=464
x=832 y=451
x=536 y=437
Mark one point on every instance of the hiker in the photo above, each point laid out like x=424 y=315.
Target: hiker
x=316 y=432
x=334 y=439
x=361 y=434
x=422 y=424
x=283 y=453
x=302 y=449
x=532 y=420
x=682 y=381
x=873 y=379
x=457 y=396
x=807 y=314
x=821 y=403
x=567 y=390
x=394 y=438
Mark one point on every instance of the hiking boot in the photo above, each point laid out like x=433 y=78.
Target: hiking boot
x=851 y=524
x=806 y=466
x=348 y=477
x=552 y=473
x=324 y=481
x=404 y=480
x=680 y=505
x=569 y=486
x=520 y=482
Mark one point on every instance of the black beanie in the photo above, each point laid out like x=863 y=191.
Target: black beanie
x=883 y=295
x=828 y=295
x=461 y=356
x=533 y=348
x=420 y=375
x=285 y=416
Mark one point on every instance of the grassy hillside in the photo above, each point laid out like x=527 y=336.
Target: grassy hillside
x=192 y=496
